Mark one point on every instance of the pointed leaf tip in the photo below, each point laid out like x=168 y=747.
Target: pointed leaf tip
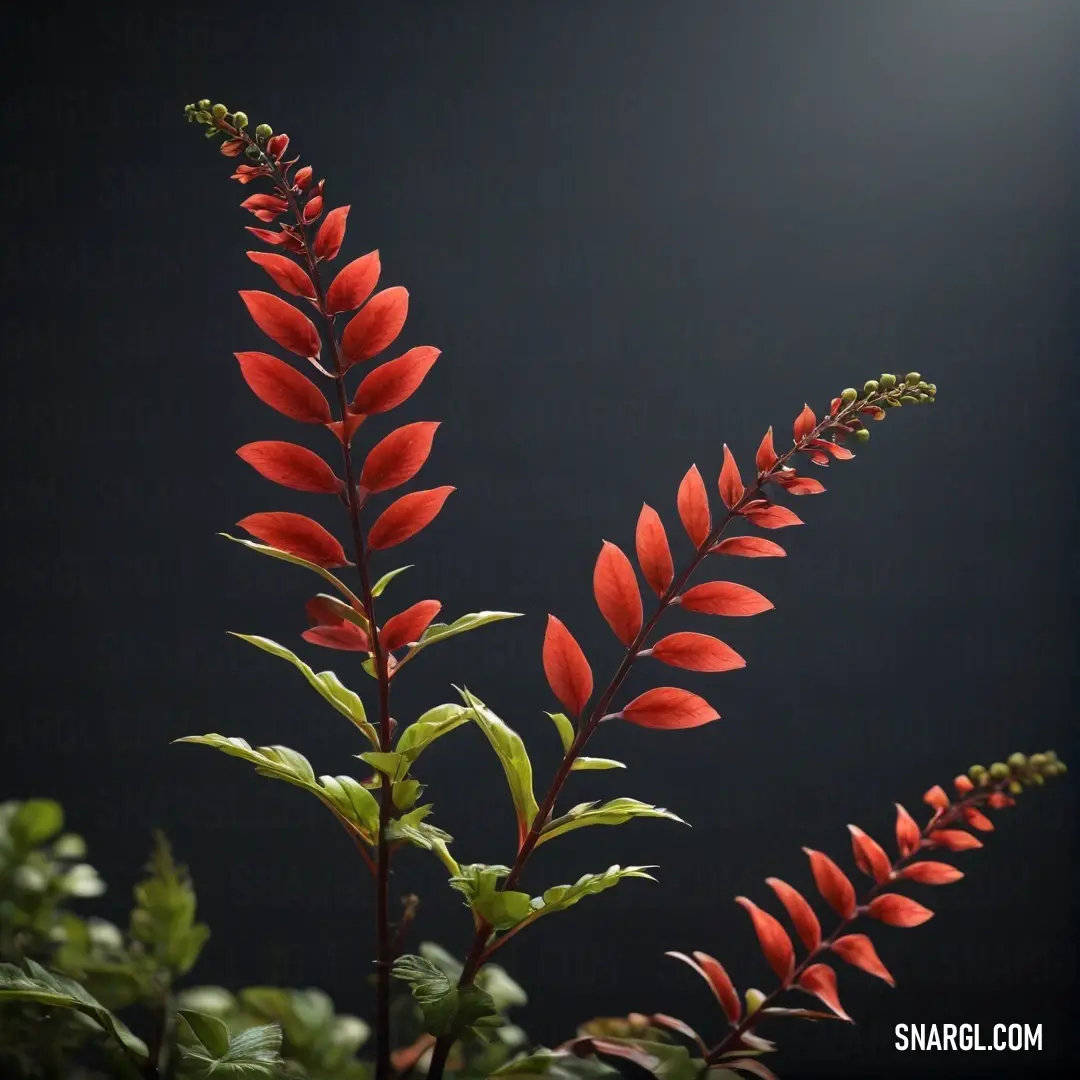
x=566 y=668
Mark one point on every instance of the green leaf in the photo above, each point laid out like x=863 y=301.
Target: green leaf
x=405 y=793
x=432 y=725
x=345 y=611
x=326 y=683
x=479 y=885
x=615 y=812
x=209 y=1051
x=276 y=553
x=354 y=801
x=583 y=764
x=34 y=822
x=565 y=729
x=558 y=1064
x=561 y=897
x=394 y=765
x=43 y=987
x=510 y=750
x=437 y=632
x=380 y=585
x=447 y=1008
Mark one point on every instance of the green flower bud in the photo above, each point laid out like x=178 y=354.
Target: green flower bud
x=931 y=388
x=264 y=131
x=1039 y=779
x=907 y=399
x=892 y=403
x=863 y=435
x=1015 y=787
x=204 y=103
x=1037 y=761
x=870 y=386
x=887 y=382
x=240 y=120
x=849 y=395
x=999 y=770
x=754 y=1001
x=202 y=117
x=924 y=398
x=219 y=111
x=1018 y=760
x=189 y=109
x=976 y=773
x=912 y=378
x=1051 y=755
x=1050 y=769
x=923 y=384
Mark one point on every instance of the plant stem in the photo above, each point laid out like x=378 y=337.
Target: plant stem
x=479 y=948
x=733 y=1039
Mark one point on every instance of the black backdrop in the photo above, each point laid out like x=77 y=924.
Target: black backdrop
x=637 y=230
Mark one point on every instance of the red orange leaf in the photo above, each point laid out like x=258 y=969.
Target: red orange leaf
x=283 y=388
x=858 y=950
x=896 y=910
x=931 y=873
x=908 y=835
x=406 y=517
x=749 y=547
x=833 y=884
x=312 y=209
x=697 y=652
x=375 y=325
x=800 y=485
x=841 y=453
x=616 y=590
x=287 y=274
x=291 y=466
x=766 y=456
x=693 y=504
x=268 y=236
x=724 y=598
x=936 y=797
x=264 y=201
x=344 y=430
x=322 y=611
x=353 y=284
x=820 y=980
x=331 y=232
x=667 y=708
x=398 y=457
x=298 y=535
x=712 y=971
x=772 y=517
x=731 y=485
x=681 y=1027
x=568 y=672
x=388 y=385
x=804 y=423
x=406 y=626
x=654 y=555
x=800 y=912
x=773 y=938
x=999 y=800
x=962 y=784
x=954 y=839
x=869 y=855
x=346 y=636
x=978 y=820
x=280 y=321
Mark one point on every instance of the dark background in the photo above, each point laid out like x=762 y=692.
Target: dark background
x=637 y=231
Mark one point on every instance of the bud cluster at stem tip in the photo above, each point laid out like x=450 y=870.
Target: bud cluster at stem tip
x=886 y=390
x=1019 y=772
x=219 y=118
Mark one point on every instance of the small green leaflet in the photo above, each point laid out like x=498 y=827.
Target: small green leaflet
x=377 y=588
x=479 y=884
x=441 y=631
x=584 y=764
x=209 y=1051
x=43 y=987
x=325 y=682
x=510 y=750
x=561 y=897
x=565 y=729
x=433 y=724
x=448 y=1009
x=615 y=812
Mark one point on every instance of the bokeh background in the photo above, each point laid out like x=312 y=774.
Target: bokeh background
x=637 y=231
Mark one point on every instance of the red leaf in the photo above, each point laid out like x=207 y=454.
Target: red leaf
x=873 y=411
x=312 y=209
x=749 y=547
x=800 y=485
x=773 y=938
x=693 y=504
x=353 y=284
x=277 y=146
x=262 y=201
x=231 y=147
x=800 y=912
x=283 y=388
x=291 y=466
x=406 y=517
x=999 y=800
x=407 y=626
x=290 y=328
x=977 y=820
x=388 y=385
x=772 y=517
x=858 y=950
x=804 y=423
x=931 y=873
x=908 y=835
x=568 y=672
x=936 y=798
x=668 y=708
x=712 y=971
x=616 y=590
x=287 y=275
x=724 y=598
x=870 y=856
x=820 y=980
x=654 y=555
x=322 y=612
x=331 y=232
x=268 y=236
x=962 y=784
x=375 y=325
x=298 y=535
x=344 y=430
x=346 y=636
x=398 y=457
x=673 y=1023
x=697 y=652
x=954 y=839
x=731 y=485
x=766 y=455
x=832 y=883
x=841 y=453
x=303 y=178
x=896 y=910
